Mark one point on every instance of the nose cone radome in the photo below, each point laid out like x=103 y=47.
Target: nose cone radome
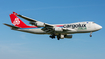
x=99 y=27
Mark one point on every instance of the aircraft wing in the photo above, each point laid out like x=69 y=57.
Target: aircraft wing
x=26 y=18
x=32 y=20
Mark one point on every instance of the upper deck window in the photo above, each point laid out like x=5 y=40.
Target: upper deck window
x=93 y=22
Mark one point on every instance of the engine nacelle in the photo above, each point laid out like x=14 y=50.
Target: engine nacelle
x=68 y=36
x=39 y=24
x=58 y=29
x=62 y=37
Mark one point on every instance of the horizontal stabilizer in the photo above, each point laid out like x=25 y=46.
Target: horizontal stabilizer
x=11 y=26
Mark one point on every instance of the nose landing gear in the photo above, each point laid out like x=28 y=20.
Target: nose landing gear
x=90 y=34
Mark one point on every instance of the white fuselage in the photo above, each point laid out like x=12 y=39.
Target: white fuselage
x=79 y=27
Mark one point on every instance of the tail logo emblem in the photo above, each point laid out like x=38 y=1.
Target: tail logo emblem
x=16 y=21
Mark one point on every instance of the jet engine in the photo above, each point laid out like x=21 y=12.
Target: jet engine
x=68 y=36
x=58 y=29
x=62 y=37
x=39 y=24
x=65 y=36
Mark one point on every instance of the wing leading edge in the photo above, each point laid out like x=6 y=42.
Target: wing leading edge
x=31 y=20
x=46 y=25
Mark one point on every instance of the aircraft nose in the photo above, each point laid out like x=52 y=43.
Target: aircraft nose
x=99 y=27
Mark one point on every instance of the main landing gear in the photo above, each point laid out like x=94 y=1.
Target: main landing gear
x=58 y=37
x=90 y=34
x=53 y=36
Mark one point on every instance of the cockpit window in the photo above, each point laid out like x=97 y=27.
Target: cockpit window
x=93 y=22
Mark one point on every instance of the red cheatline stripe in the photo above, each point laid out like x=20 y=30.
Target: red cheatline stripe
x=59 y=25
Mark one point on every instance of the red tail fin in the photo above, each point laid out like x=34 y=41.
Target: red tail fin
x=17 y=22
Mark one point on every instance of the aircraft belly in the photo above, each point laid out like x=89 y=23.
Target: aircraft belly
x=34 y=31
x=39 y=31
x=72 y=32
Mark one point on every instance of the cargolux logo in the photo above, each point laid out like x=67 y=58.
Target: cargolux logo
x=16 y=21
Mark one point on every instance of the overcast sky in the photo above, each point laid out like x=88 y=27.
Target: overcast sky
x=20 y=45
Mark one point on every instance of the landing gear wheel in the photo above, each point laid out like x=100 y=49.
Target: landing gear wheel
x=58 y=37
x=90 y=35
x=52 y=36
